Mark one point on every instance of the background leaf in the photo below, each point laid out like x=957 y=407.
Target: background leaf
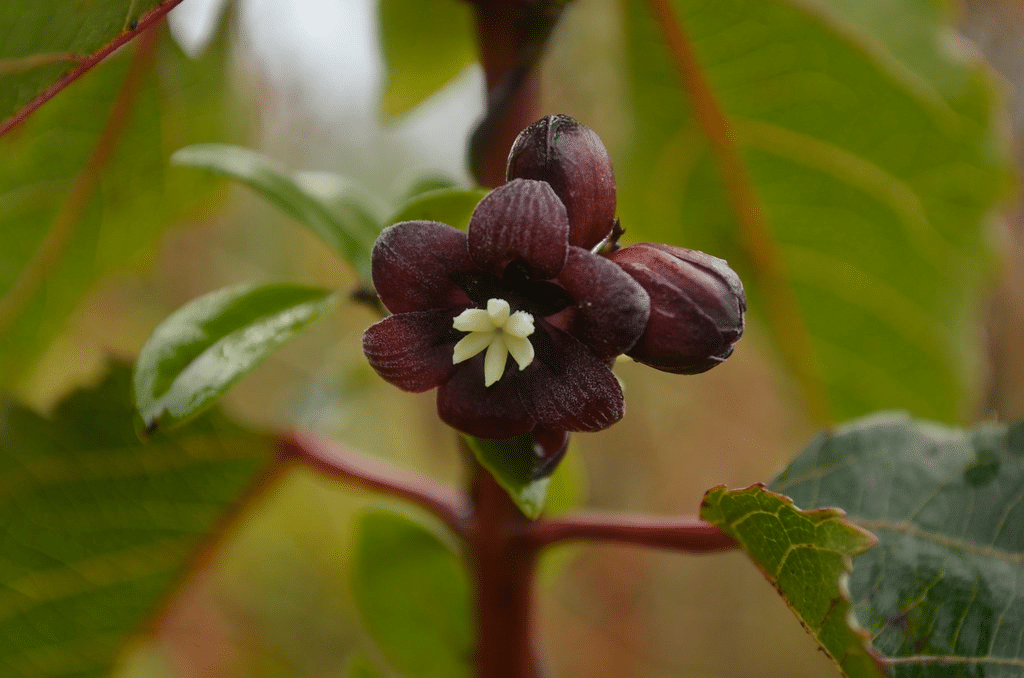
x=97 y=527
x=513 y=464
x=806 y=555
x=413 y=595
x=844 y=169
x=206 y=346
x=336 y=216
x=68 y=219
x=941 y=593
x=452 y=206
x=51 y=42
x=424 y=46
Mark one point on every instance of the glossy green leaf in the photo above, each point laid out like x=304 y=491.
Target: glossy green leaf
x=452 y=206
x=335 y=214
x=413 y=594
x=204 y=347
x=425 y=44
x=514 y=463
x=46 y=42
x=844 y=156
x=806 y=555
x=941 y=594
x=98 y=528
x=84 y=190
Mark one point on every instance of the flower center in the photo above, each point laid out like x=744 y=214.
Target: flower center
x=499 y=331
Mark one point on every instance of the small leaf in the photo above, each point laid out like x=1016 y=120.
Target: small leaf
x=941 y=594
x=98 y=528
x=424 y=44
x=204 y=347
x=334 y=214
x=413 y=595
x=806 y=555
x=514 y=464
x=452 y=206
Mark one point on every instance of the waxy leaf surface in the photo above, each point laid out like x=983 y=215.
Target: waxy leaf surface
x=414 y=596
x=98 y=528
x=452 y=206
x=844 y=156
x=806 y=555
x=204 y=347
x=942 y=594
x=514 y=464
x=339 y=220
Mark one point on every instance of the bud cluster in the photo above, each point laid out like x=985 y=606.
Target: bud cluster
x=697 y=302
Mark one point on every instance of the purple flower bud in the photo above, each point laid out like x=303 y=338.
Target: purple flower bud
x=697 y=306
x=572 y=159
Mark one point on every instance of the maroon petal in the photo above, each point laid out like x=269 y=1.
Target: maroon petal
x=483 y=411
x=522 y=219
x=413 y=265
x=575 y=391
x=611 y=308
x=404 y=349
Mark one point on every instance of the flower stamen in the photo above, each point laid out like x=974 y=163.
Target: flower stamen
x=497 y=330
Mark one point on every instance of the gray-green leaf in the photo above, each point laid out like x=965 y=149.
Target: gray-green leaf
x=941 y=594
x=204 y=347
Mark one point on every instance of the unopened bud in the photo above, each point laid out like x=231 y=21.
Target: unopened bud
x=573 y=160
x=697 y=307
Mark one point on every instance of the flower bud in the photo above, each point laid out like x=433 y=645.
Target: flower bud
x=697 y=306
x=572 y=159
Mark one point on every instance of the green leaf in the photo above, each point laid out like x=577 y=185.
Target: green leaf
x=452 y=206
x=46 y=43
x=204 y=347
x=844 y=159
x=513 y=463
x=806 y=555
x=360 y=667
x=941 y=594
x=414 y=596
x=84 y=189
x=98 y=527
x=425 y=44
x=334 y=212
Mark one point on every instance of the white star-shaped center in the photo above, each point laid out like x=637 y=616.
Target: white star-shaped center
x=499 y=331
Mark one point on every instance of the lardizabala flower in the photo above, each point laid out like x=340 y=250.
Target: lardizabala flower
x=518 y=321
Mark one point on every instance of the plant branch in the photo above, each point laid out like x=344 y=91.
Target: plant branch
x=512 y=36
x=145 y=23
x=503 y=567
x=67 y=219
x=691 y=535
x=781 y=304
x=335 y=461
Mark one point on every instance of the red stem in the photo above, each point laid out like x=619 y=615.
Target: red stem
x=503 y=566
x=85 y=63
x=691 y=535
x=335 y=461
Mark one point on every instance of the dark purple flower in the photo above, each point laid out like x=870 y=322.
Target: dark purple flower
x=514 y=287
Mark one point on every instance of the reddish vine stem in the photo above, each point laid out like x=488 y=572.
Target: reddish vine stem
x=145 y=23
x=503 y=567
x=334 y=461
x=691 y=535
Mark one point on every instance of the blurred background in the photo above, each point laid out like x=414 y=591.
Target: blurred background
x=302 y=84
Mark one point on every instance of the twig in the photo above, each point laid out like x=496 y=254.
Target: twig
x=335 y=461
x=691 y=535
